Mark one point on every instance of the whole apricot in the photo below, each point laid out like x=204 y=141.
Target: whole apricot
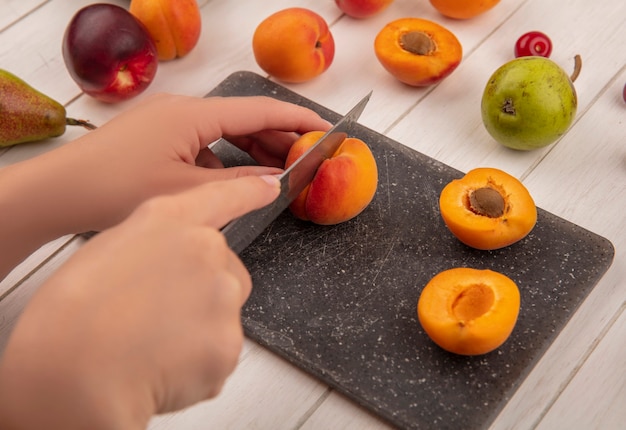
x=469 y=311
x=174 y=25
x=343 y=186
x=487 y=209
x=417 y=52
x=362 y=8
x=463 y=9
x=293 y=45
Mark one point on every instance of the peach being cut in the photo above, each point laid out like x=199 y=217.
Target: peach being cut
x=343 y=186
x=174 y=25
x=417 y=52
x=293 y=45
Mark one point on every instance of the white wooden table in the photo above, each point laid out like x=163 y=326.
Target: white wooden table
x=580 y=383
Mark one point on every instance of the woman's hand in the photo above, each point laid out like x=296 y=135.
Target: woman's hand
x=143 y=319
x=158 y=147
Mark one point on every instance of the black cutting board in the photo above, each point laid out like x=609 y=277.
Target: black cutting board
x=340 y=301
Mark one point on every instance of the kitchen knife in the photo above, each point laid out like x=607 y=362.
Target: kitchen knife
x=242 y=231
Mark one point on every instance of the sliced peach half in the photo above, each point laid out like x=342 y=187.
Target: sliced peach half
x=469 y=311
x=487 y=209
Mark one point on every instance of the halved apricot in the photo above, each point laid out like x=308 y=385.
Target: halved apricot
x=487 y=209
x=417 y=51
x=469 y=311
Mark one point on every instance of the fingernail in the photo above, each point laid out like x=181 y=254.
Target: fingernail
x=271 y=179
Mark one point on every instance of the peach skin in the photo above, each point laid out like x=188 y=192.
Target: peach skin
x=293 y=45
x=463 y=9
x=174 y=25
x=362 y=8
x=343 y=186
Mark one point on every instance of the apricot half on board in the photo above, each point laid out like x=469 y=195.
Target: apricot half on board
x=469 y=311
x=343 y=186
x=487 y=209
x=417 y=52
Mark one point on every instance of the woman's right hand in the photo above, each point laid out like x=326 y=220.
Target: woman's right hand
x=143 y=319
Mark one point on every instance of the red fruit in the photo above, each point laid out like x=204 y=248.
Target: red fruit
x=533 y=43
x=109 y=53
x=362 y=8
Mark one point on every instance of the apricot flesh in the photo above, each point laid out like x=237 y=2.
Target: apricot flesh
x=343 y=186
x=469 y=311
x=473 y=302
x=417 y=52
x=487 y=209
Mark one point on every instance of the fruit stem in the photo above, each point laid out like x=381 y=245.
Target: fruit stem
x=81 y=122
x=578 y=64
x=508 y=107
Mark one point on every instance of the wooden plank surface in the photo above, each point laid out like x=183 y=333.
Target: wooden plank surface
x=14 y=10
x=577 y=383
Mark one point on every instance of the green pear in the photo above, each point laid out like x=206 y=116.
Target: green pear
x=529 y=102
x=26 y=115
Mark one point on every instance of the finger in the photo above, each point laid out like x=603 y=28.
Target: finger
x=241 y=171
x=268 y=147
x=224 y=305
x=182 y=177
x=237 y=116
x=264 y=155
x=207 y=159
x=197 y=176
x=216 y=203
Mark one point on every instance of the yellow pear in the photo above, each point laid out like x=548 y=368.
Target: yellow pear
x=27 y=115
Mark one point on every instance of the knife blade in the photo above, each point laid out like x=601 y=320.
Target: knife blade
x=241 y=231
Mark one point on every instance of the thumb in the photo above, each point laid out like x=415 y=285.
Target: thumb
x=216 y=203
x=194 y=175
x=240 y=171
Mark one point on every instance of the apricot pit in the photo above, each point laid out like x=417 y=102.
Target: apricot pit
x=487 y=209
x=487 y=201
x=417 y=42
